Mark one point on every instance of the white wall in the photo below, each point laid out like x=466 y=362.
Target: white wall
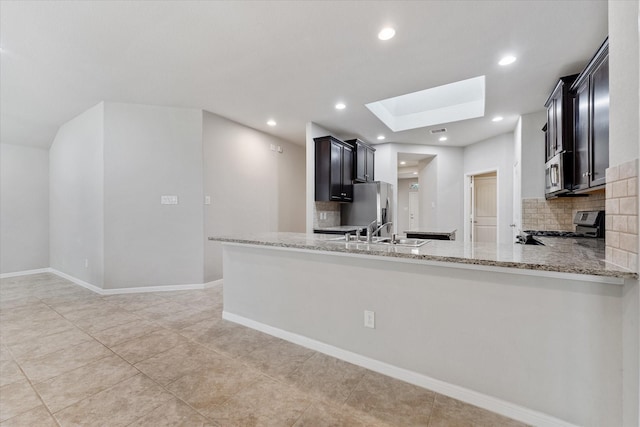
x=24 y=208
x=76 y=230
x=441 y=182
x=150 y=151
x=544 y=343
x=494 y=154
x=402 y=216
x=252 y=188
x=624 y=145
x=532 y=152
x=624 y=85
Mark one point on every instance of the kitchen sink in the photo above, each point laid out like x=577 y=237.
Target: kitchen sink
x=412 y=243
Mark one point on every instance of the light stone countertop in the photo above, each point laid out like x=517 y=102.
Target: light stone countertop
x=577 y=256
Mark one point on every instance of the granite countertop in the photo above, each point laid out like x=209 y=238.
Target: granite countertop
x=559 y=255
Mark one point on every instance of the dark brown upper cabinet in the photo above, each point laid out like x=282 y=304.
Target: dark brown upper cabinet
x=559 y=105
x=591 y=122
x=364 y=159
x=334 y=170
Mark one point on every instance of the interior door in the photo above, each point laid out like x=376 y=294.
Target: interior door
x=414 y=211
x=485 y=209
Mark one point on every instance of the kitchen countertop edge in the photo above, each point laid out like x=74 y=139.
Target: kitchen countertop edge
x=333 y=246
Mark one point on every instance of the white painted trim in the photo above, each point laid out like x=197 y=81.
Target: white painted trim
x=77 y=281
x=447 y=264
x=213 y=284
x=143 y=289
x=490 y=403
x=24 y=273
x=136 y=290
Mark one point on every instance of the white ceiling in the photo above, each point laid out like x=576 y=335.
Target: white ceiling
x=290 y=61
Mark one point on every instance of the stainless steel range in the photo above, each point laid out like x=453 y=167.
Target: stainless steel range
x=589 y=224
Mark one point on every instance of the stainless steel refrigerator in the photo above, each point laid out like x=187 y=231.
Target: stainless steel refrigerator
x=371 y=201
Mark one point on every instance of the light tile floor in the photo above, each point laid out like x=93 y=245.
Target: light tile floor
x=70 y=357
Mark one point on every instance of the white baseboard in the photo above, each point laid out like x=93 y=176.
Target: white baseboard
x=24 y=273
x=487 y=402
x=213 y=283
x=116 y=291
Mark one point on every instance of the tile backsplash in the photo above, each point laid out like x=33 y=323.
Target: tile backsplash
x=326 y=214
x=622 y=215
x=557 y=214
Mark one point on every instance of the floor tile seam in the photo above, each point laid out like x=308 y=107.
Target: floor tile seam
x=93 y=394
x=61 y=349
x=87 y=331
x=313 y=353
x=433 y=407
x=311 y=402
x=89 y=315
x=132 y=339
x=129 y=339
x=31 y=384
x=166 y=389
x=73 y=369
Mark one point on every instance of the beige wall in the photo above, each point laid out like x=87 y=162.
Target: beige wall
x=24 y=208
x=252 y=188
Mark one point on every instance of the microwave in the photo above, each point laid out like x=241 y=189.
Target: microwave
x=558 y=175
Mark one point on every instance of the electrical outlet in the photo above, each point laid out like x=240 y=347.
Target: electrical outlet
x=207 y=200
x=369 y=319
x=272 y=147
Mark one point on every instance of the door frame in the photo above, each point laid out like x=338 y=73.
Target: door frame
x=467 y=202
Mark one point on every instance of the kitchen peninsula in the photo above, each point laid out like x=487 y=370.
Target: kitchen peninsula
x=531 y=332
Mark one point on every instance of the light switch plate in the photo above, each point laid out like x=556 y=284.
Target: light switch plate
x=369 y=319
x=207 y=200
x=168 y=200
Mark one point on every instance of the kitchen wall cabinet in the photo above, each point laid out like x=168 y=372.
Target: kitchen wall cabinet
x=334 y=170
x=559 y=105
x=364 y=160
x=591 y=122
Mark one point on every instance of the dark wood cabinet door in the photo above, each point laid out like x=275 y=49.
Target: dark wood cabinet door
x=335 y=178
x=370 y=171
x=347 y=173
x=560 y=125
x=361 y=163
x=551 y=131
x=581 y=137
x=600 y=123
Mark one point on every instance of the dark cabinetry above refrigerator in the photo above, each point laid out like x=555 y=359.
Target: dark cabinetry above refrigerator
x=334 y=170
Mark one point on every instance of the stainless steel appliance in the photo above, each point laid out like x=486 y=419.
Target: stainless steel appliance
x=372 y=201
x=589 y=224
x=558 y=175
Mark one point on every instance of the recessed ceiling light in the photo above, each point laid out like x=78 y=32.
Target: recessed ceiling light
x=380 y=137
x=340 y=106
x=415 y=173
x=386 y=33
x=442 y=138
x=509 y=59
x=403 y=163
x=497 y=119
x=271 y=122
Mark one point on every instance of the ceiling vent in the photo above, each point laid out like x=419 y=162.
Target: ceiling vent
x=436 y=131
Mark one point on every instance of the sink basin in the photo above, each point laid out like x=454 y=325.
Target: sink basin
x=413 y=243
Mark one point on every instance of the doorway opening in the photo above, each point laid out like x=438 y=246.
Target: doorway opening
x=413 y=191
x=483 y=207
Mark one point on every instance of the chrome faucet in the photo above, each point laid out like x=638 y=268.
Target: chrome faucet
x=371 y=231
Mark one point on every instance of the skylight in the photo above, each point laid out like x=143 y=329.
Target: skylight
x=442 y=104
